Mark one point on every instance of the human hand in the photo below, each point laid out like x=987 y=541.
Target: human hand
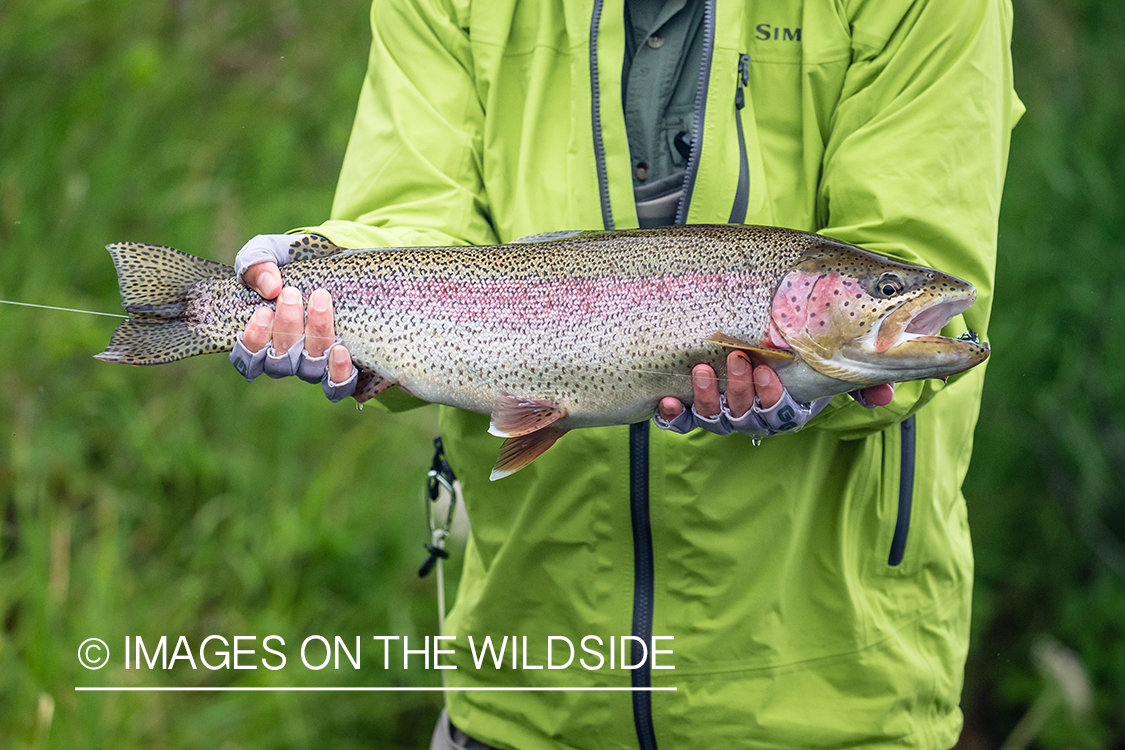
x=755 y=402
x=875 y=396
x=314 y=354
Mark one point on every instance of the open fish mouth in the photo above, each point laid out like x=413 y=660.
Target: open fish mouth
x=907 y=344
x=919 y=319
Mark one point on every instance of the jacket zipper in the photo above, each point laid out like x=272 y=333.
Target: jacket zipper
x=643 y=584
x=700 y=109
x=643 y=573
x=905 y=493
x=644 y=577
x=742 y=194
x=596 y=118
x=643 y=581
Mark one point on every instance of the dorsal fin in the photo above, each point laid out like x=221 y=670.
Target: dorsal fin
x=561 y=234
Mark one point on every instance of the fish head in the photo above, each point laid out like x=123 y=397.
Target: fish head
x=867 y=319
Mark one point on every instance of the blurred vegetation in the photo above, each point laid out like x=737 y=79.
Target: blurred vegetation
x=150 y=501
x=1046 y=490
x=131 y=507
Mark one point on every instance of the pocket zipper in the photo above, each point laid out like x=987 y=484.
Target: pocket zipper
x=742 y=193
x=905 y=493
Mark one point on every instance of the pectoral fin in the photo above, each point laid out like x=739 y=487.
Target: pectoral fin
x=513 y=416
x=518 y=452
x=775 y=358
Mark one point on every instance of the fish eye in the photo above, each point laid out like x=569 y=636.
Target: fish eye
x=888 y=285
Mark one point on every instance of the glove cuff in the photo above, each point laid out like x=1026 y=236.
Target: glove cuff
x=250 y=364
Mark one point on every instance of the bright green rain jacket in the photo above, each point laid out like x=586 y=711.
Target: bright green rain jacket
x=817 y=586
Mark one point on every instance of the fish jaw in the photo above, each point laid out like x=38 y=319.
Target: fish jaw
x=906 y=345
x=865 y=319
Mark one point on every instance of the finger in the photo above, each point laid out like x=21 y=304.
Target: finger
x=319 y=331
x=340 y=365
x=257 y=333
x=768 y=386
x=289 y=320
x=670 y=408
x=263 y=278
x=740 y=384
x=879 y=395
x=706 y=388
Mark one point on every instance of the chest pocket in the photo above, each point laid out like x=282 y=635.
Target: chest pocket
x=799 y=54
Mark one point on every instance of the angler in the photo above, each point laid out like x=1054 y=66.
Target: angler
x=818 y=586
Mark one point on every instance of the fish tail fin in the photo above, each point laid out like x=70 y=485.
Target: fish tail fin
x=155 y=282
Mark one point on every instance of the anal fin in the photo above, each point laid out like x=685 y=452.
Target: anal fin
x=513 y=416
x=759 y=355
x=518 y=452
x=369 y=384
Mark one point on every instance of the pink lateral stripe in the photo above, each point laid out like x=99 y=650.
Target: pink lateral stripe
x=516 y=303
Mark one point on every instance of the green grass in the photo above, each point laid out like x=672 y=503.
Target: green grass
x=177 y=500
x=174 y=500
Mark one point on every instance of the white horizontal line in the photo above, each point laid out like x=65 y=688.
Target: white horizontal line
x=63 y=309
x=359 y=689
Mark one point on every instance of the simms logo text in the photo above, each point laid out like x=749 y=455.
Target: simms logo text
x=767 y=33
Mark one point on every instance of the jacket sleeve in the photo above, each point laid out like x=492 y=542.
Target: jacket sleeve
x=412 y=170
x=411 y=175
x=915 y=159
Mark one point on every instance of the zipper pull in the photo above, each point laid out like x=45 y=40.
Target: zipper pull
x=743 y=79
x=683 y=144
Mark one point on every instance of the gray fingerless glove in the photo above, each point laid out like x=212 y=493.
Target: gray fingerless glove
x=266 y=247
x=786 y=415
x=249 y=364
x=296 y=361
x=338 y=391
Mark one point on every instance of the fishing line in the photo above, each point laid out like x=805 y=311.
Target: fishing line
x=63 y=309
x=108 y=315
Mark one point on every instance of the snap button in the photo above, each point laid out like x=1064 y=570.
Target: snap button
x=656 y=41
x=642 y=170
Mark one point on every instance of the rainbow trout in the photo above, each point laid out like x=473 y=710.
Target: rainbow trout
x=581 y=329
